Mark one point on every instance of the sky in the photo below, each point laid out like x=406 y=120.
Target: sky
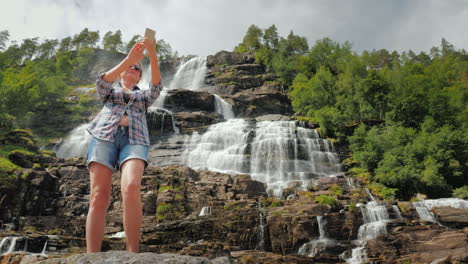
x=204 y=27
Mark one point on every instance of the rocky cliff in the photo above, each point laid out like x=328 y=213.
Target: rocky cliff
x=202 y=216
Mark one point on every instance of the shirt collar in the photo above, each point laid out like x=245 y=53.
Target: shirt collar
x=135 y=88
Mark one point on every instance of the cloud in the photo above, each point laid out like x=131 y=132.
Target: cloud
x=206 y=26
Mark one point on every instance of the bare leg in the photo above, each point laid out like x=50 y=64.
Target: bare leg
x=132 y=171
x=101 y=185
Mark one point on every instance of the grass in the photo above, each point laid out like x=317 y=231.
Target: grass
x=325 y=199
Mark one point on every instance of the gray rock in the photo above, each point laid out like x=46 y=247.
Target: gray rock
x=275 y=117
x=127 y=257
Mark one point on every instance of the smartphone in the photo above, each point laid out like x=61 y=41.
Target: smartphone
x=149 y=33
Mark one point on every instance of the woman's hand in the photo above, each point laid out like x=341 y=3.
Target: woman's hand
x=136 y=53
x=150 y=45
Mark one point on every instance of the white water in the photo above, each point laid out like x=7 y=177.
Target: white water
x=7 y=245
x=283 y=152
x=261 y=229
x=221 y=148
x=223 y=108
x=118 y=235
x=75 y=144
x=190 y=76
x=43 y=253
x=397 y=212
x=424 y=207
x=205 y=211
x=280 y=152
x=314 y=247
x=375 y=223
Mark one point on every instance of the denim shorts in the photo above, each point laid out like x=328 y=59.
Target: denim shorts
x=112 y=154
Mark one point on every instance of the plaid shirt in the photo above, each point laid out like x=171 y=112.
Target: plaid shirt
x=105 y=124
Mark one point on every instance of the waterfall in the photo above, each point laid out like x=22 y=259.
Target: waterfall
x=205 y=211
x=43 y=253
x=423 y=208
x=7 y=245
x=221 y=148
x=284 y=152
x=314 y=247
x=118 y=235
x=260 y=229
x=376 y=218
x=274 y=153
x=190 y=75
x=223 y=108
x=397 y=212
x=75 y=144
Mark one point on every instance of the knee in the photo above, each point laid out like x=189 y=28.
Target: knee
x=131 y=190
x=99 y=199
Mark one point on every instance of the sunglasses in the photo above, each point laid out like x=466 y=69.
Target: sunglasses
x=136 y=67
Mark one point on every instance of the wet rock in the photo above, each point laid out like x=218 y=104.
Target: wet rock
x=419 y=244
x=188 y=122
x=274 y=117
x=454 y=217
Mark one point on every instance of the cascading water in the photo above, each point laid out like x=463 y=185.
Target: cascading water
x=205 y=211
x=261 y=229
x=272 y=152
x=190 y=76
x=223 y=108
x=7 y=245
x=75 y=144
x=283 y=152
x=424 y=207
x=314 y=247
x=376 y=217
x=120 y=234
x=222 y=148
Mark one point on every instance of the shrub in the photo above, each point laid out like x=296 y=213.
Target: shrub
x=336 y=190
x=325 y=199
x=382 y=191
x=461 y=192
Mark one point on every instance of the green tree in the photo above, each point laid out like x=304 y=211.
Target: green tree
x=132 y=42
x=113 y=41
x=65 y=44
x=47 y=49
x=271 y=37
x=4 y=36
x=251 y=41
x=164 y=50
x=29 y=48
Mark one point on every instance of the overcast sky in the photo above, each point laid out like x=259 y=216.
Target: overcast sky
x=204 y=27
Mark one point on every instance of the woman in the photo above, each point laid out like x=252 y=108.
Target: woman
x=120 y=138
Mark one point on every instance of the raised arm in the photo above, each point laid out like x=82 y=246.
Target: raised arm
x=134 y=56
x=150 y=45
x=155 y=82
